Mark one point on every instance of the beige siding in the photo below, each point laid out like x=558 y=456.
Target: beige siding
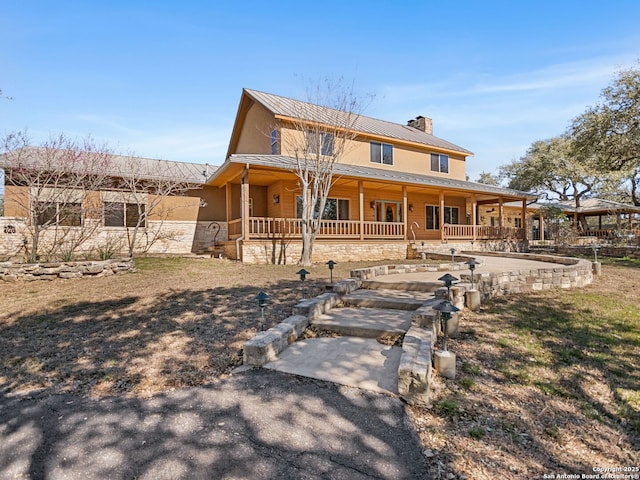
x=256 y=129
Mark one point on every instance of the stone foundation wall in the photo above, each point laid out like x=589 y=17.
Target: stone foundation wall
x=168 y=237
x=266 y=252
x=205 y=235
x=12 y=272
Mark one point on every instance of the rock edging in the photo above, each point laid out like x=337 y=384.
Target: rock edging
x=13 y=272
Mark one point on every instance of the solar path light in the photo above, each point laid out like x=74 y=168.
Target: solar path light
x=331 y=264
x=445 y=308
x=453 y=255
x=303 y=276
x=448 y=280
x=262 y=299
x=471 y=263
x=597 y=266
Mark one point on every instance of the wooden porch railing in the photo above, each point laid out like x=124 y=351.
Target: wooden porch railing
x=264 y=227
x=482 y=232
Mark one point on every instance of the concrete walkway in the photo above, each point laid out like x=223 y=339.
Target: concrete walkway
x=356 y=359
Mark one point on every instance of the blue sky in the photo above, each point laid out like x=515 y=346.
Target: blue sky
x=163 y=79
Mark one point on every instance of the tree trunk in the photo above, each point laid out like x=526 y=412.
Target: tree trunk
x=307 y=247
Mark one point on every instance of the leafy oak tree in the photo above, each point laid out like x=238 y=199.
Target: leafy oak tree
x=607 y=136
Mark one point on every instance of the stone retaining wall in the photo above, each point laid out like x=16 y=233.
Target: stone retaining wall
x=12 y=272
x=570 y=273
x=370 y=273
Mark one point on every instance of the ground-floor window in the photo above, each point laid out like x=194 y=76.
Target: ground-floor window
x=517 y=222
x=432 y=216
x=120 y=214
x=55 y=213
x=334 y=209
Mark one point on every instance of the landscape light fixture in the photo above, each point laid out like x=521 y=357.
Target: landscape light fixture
x=445 y=308
x=453 y=255
x=331 y=264
x=448 y=280
x=471 y=263
x=422 y=254
x=303 y=276
x=262 y=299
x=595 y=248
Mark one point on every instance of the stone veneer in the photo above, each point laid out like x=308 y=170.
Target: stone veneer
x=266 y=252
x=12 y=272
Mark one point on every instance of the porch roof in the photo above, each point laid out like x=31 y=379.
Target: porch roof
x=588 y=206
x=282 y=162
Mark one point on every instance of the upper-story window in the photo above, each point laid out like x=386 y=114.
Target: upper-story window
x=323 y=139
x=274 y=142
x=382 y=153
x=439 y=163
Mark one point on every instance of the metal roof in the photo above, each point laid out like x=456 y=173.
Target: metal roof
x=115 y=165
x=288 y=107
x=587 y=205
x=370 y=173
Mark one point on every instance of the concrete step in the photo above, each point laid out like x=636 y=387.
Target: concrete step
x=386 y=299
x=357 y=362
x=401 y=285
x=364 y=322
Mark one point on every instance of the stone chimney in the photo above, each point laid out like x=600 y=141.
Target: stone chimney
x=423 y=124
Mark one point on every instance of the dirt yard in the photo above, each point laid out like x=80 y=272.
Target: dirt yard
x=547 y=383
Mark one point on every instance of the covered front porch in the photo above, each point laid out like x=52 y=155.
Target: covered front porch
x=263 y=203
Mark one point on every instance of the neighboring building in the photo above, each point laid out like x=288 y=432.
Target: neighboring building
x=397 y=186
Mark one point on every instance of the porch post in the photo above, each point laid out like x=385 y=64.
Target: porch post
x=541 y=226
x=600 y=222
x=524 y=220
x=361 y=208
x=500 y=213
x=441 y=216
x=245 y=204
x=405 y=215
x=228 y=201
x=474 y=214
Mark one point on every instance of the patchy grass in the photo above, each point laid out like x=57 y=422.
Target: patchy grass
x=175 y=322
x=556 y=384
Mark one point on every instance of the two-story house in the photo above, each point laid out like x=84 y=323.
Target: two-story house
x=395 y=187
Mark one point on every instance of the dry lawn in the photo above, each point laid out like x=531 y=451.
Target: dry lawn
x=175 y=322
x=547 y=383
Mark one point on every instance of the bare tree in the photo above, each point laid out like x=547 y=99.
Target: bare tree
x=145 y=185
x=324 y=128
x=55 y=184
